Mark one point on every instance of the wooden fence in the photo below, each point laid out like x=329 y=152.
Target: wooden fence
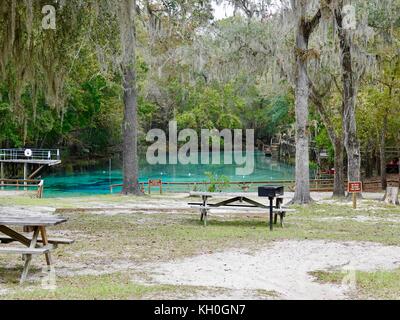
x=19 y=184
x=318 y=185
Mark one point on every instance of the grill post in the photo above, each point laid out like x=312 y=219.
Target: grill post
x=271 y=213
x=271 y=192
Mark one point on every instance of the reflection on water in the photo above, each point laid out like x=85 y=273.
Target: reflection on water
x=97 y=180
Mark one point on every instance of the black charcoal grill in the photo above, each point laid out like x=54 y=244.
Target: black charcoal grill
x=271 y=192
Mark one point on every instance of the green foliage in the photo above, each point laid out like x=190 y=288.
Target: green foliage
x=322 y=141
x=217 y=182
x=208 y=107
x=279 y=114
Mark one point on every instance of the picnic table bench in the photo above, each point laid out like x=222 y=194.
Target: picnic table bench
x=34 y=245
x=237 y=201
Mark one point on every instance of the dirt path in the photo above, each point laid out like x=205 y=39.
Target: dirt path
x=282 y=267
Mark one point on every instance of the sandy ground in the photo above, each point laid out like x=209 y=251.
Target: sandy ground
x=282 y=267
x=31 y=211
x=7 y=193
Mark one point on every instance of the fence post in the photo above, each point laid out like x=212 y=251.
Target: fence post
x=2 y=174
x=25 y=176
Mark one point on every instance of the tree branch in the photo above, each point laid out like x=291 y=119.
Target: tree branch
x=312 y=24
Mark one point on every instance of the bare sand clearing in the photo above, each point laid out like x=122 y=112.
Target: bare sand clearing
x=20 y=193
x=282 y=267
x=26 y=211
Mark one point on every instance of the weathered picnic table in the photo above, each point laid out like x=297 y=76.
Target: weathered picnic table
x=237 y=201
x=34 y=245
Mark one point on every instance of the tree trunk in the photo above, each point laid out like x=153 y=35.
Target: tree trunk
x=130 y=122
x=130 y=125
x=339 y=187
x=369 y=155
x=378 y=165
x=382 y=149
x=337 y=142
x=302 y=192
x=392 y=195
x=304 y=29
x=351 y=142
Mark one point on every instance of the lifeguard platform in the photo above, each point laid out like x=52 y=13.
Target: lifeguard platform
x=25 y=156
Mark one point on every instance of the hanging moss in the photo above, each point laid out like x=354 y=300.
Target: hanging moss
x=31 y=57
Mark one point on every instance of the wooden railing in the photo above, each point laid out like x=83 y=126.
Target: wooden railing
x=392 y=151
x=19 y=184
x=321 y=185
x=316 y=185
x=376 y=184
x=34 y=154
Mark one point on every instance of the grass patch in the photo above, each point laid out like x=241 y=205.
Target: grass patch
x=382 y=285
x=84 y=201
x=117 y=286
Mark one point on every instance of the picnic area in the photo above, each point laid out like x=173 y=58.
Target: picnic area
x=157 y=248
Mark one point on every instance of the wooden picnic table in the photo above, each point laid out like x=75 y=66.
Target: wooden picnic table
x=237 y=201
x=34 y=245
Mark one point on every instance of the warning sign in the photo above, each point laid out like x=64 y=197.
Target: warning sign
x=355 y=187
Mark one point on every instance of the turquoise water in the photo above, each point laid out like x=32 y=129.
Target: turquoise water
x=97 y=180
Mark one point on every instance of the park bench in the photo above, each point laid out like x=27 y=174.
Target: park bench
x=42 y=250
x=54 y=241
x=34 y=245
x=237 y=202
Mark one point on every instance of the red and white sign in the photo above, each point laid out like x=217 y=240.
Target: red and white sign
x=355 y=187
